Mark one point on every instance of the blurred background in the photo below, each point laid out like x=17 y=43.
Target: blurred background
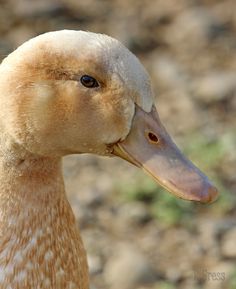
x=136 y=234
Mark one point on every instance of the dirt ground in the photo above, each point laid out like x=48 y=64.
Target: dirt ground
x=137 y=235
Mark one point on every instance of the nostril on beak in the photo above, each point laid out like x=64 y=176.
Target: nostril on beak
x=152 y=138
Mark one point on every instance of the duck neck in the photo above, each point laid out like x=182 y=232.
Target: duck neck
x=40 y=246
x=28 y=180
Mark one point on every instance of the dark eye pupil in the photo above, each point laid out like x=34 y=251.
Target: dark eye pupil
x=88 y=81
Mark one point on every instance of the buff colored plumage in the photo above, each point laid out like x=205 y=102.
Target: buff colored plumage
x=46 y=113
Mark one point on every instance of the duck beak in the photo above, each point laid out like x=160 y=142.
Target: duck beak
x=149 y=146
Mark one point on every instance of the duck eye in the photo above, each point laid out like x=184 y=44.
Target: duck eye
x=88 y=81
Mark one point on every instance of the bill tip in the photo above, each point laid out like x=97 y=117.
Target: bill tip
x=211 y=195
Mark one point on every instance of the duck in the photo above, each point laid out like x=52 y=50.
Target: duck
x=73 y=92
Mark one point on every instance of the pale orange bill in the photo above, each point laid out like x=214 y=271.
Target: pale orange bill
x=149 y=146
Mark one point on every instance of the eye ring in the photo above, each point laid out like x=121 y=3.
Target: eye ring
x=88 y=81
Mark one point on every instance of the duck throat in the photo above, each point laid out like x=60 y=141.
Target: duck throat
x=40 y=245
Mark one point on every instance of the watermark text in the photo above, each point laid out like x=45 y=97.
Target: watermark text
x=205 y=275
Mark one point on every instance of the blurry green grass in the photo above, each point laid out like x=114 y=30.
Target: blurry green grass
x=208 y=155
x=232 y=280
x=162 y=205
x=164 y=285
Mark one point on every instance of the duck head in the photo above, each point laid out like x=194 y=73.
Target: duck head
x=69 y=92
